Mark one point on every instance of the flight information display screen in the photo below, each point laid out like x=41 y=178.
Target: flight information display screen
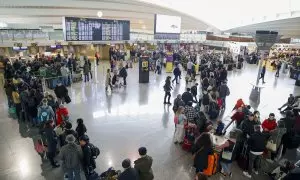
x=87 y=29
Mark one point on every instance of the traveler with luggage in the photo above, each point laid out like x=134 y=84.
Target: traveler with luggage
x=223 y=93
x=123 y=74
x=51 y=139
x=238 y=117
x=227 y=156
x=32 y=108
x=179 y=121
x=86 y=71
x=143 y=165
x=129 y=173
x=274 y=142
x=65 y=72
x=45 y=112
x=61 y=92
x=257 y=144
x=90 y=153
x=167 y=89
x=158 y=67
x=71 y=156
x=201 y=151
x=248 y=126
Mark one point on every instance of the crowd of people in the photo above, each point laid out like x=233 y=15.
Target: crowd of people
x=250 y=140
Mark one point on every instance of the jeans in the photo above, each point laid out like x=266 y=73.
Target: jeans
x=74 y=174
x=226 y=167
x=124 y=79
x=175 y=79
x=167 y=94
x=65 y=80
x=51 y=156
x=254 y=162
x=86 y=77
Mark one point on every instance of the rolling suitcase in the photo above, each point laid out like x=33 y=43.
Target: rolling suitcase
x=212 y=165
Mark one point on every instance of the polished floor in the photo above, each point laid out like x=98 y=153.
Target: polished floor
x=122 y=121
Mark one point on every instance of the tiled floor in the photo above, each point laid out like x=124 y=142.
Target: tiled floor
x=123 y=121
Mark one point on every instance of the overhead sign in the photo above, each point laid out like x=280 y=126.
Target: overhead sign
x=87 y=29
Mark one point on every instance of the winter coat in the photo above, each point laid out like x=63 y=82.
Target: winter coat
x=143 y=166
x=88 y=160
x=248 y=127
x=81 y=130
x=201 y=158
x=123 y=72
x=176 y=71
x=86 y=69
x=62 y=114
x=61 y=91
x=224 y=91
x=71 y=156
x=177 y=104
x=257 y=142
x=51 y=138
x=167 y=86
x=186 y=97
x=269 y=124
x=129 y=174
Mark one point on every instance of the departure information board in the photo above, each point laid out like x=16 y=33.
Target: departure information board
x=87 y=29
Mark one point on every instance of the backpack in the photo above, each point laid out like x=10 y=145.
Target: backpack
x=45 y=115
x=205 y=99
x=95 y=150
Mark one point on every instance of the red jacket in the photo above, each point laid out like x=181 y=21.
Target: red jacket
x=60 y=113
x=238 y=116
x=269 y=124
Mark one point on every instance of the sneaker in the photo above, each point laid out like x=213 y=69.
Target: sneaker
x=247 y=174
x=256 y=172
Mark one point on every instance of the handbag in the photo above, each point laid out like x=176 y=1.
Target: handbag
x=227 y=155
x=271 y=146
x=67 y=99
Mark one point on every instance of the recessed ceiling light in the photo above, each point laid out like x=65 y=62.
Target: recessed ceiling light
x=99 y=14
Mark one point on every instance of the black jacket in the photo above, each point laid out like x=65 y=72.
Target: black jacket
x=61 y=91
x=123 y=72
x=88 y=160
x=257 y=142
x=176 y=71
x=248 y=127
x=80 y=129
x=201 y=158
x=194 y=90
x=129 y=174
x=186 y=97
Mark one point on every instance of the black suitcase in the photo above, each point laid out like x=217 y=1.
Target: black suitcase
x=243 y=160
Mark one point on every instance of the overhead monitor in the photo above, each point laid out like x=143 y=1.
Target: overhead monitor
x=167 y=24
x=88 y=29
x=167 y=27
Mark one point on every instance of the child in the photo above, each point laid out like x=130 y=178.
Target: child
x=40 y=148
x=220 y=128
x=80 y=129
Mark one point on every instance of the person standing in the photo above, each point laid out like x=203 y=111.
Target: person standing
x=51 y=138
x=108 y=80
x=143 y=165
x=61 y=92
x=177 y=103
x=167 y=89
x=257 y=143
x=80 y=129
x=224 y=92
x=187 y=96
x=86 y=71
x=189 y=68
x=65 y=72
x=176 y=73
x=97 y=56
x=123 y=73
x=71 y=156
x=129 y=173
x=89 y=163
x=158 y=66
x=278 y=67
x=17 y=101
x=262 y=74
x=194 y=91
x=269 y=124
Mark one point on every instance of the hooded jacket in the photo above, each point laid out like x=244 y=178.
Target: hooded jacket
x=143 y=167
x=269 y=124
x=71 y=155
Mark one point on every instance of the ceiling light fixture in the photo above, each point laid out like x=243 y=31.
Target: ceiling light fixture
x=3 y=25
x=99 y=14
x=143 y=27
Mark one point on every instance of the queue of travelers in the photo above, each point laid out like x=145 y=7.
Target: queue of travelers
x=51 y=117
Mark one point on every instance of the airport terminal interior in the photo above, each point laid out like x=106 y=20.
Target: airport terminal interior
x=149 y=89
